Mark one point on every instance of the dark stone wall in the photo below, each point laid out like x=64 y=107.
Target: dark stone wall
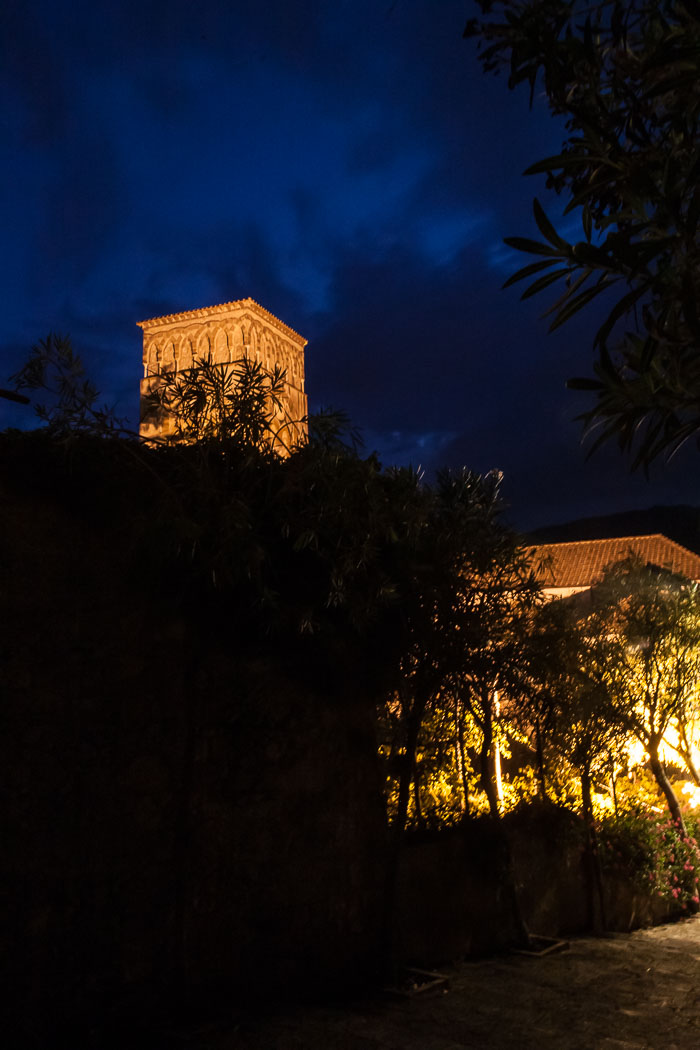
x=453 y=898
x=449 y=902
x=180 y=815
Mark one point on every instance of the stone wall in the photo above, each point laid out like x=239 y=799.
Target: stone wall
x=452 y=901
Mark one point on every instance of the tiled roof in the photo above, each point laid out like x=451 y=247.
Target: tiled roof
x=582 y=563
x=207 y=311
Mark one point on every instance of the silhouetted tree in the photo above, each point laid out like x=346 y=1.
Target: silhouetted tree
x=581 y=720
x=69 y=403
x=461 y=615
x=464 y=587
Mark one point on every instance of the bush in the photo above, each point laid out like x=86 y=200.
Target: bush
x=647 y=849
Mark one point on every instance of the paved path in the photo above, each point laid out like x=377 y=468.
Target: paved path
x=624 y=992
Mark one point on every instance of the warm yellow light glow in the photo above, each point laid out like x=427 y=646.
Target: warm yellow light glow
x=636 y=752
x=668 y=751
x=692 y=794
x=602 y=804
x=497 y=754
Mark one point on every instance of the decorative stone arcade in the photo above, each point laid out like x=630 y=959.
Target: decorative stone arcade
x=228 y=332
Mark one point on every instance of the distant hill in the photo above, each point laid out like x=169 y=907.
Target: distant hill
x=680 y=523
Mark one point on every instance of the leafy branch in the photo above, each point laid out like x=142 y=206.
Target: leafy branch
x=626 y=79
x=54 y=367
x=242 y=402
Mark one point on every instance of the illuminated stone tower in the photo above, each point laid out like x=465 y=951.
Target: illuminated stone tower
x=227 y=332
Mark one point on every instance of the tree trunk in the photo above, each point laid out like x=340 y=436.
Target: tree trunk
x=416 y=794
x=613 y=788
x=659 y=773
x=462 y=762
x=540 y=761
x=594 y=875
x=586 y=797
x=488 y=766
x=522 y=934
x=684 y=748
x=692 y=769
x=413 y=724
x=662 y=780
x=488 y=781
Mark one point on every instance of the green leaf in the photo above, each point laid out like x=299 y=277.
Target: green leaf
x=591 y=255
x=526 y=271
x=569 y=292
x=545 y=227
x=550 y=164
x=574 y=305
x=606 y=366
x=618 y=311
x=544 y=282
x=524 y=244
x=587 y=223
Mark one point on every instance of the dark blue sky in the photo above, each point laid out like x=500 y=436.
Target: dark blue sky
x=347 y=165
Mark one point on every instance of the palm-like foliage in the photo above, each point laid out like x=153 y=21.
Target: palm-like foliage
x=69 y=403
x=239 y=402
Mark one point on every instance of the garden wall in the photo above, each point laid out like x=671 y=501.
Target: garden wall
x=453 y=898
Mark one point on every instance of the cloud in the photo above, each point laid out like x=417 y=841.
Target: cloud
x=439 y=367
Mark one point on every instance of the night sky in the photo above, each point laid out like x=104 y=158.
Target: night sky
x=347 y=165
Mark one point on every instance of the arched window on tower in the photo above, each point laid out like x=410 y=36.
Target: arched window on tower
x=185 y=353
x=220 y=353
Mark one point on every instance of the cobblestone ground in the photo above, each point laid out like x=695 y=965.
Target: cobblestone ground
x=621 y=992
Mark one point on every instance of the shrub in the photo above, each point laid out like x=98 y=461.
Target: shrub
x=647 y=849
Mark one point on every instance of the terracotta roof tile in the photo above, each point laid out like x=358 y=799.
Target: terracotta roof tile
x=582 y=563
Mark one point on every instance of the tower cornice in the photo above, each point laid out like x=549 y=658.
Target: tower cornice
x=222 y=310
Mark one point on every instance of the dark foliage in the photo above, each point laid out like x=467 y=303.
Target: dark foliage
x=625 y=77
